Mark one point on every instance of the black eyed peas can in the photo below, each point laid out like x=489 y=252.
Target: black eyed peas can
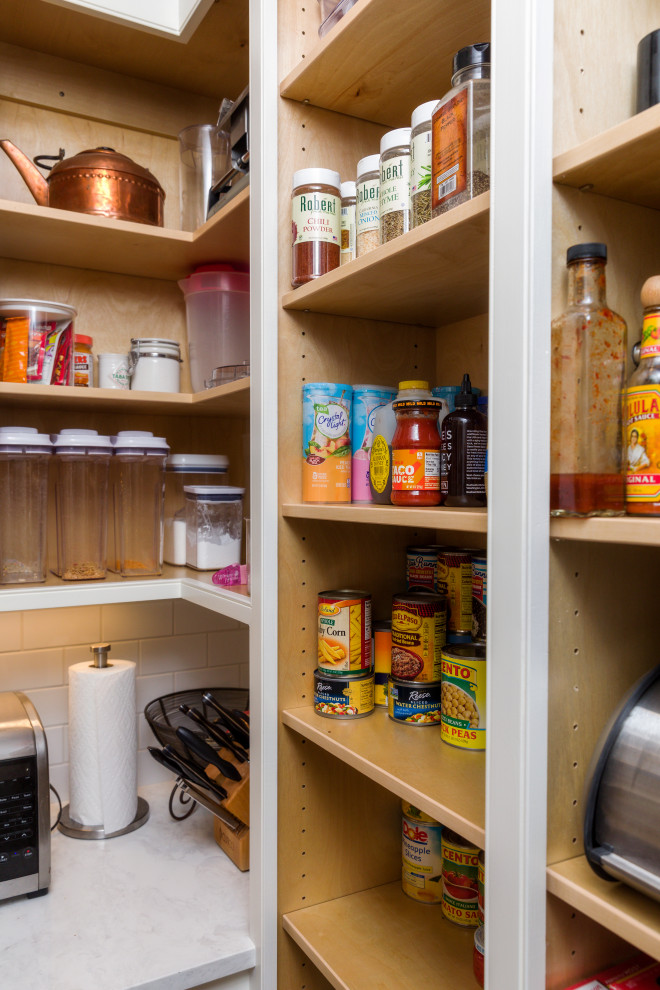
x=460 y=884
x=455 y=581
x=479 y=597
x=348 y=697
x=344 y=631
x=382 y=660
x=464 y=696
x=419 y=631
x=414 y=702
x=421 y=855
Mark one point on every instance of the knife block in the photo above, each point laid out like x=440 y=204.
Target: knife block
x=235 y=844
x=238 y=791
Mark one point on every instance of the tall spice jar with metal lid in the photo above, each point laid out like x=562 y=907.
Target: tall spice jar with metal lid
x=347 y=222
x=421 y=163
x=367 y=190
x=315 y=224
x=394 y=184
x=642 y=419
x=461 y=132
x=416 y=446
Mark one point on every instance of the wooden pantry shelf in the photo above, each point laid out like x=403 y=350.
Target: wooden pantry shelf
x=435 y=274
x=635 y=530
x=411 y=761
x=389 y=934
x=232 y=399
x=620 y=162
x=375 y=57
x=440 y=518
x=622 y=910
x=42 y=234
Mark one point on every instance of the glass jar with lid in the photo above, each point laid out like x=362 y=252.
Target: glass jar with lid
x=182 y=470
x=461 y=132
x=394 y=184
x=420 y=163
x=214 y=524
x=315 y=224
x=155 y=365
x=367 y=190
x=24 y=459
x=416 y=446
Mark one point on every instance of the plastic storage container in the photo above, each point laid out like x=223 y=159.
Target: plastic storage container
x=204 y=158
x=24 y=459
x=82 y=459
x=38 y=342
x=155 y=365
x=182 y=470
x=332 y=11
x=138 y=490
x=218 y=319
x=214 y=524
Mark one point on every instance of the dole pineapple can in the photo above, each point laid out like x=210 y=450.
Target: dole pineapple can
x=421 y=866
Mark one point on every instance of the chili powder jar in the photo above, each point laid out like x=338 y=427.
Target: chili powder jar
x=416 y=446
x=315 y=224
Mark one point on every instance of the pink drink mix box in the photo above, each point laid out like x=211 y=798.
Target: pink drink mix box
x=639 y=973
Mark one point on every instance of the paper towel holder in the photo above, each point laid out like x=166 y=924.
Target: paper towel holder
x=76 y=830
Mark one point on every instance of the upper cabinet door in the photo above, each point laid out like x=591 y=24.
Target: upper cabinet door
x=169 y=18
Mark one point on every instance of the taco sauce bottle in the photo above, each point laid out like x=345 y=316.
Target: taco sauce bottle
x=416 y=446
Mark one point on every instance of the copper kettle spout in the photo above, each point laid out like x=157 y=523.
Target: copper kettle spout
x=32 y=177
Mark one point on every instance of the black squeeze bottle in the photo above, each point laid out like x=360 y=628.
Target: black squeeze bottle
x=463 y=443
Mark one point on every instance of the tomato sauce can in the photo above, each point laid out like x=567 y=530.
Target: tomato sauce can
x=347 y=697
x=414 y=702
x=479 y=597
x=421 y=856
x=455 y=581
x=344 y=631
x=464 y=696
x=481 y=876
x=419 y=631
x=478 y=956
x=460 y=867
x=382 y=660
x=326 y=464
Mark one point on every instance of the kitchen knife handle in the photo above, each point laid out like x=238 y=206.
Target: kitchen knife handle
x=217 y=732
x=191 y=772
x=204 y=751
x=236 y=728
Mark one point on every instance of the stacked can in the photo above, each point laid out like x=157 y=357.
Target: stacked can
x=344 y=680
x=419 y=632
x=460 y=884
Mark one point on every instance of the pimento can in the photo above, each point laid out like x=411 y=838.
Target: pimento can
x=422 y=569
x=326 y=465
x=347 y=697
x=481 y=885
x=419 y=631
x=344 y=631
x=479 y=597
x=421 y=856
x=414 y=702
x=464 y=696
x=367 y=400
x=460 y=867
x=455 y=581
x=382 y=660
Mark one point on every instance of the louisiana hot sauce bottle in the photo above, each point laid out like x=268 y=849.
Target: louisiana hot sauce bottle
x=416 y=446
x=642 y=413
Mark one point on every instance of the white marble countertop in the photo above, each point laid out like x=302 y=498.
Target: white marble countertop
x=161 y=908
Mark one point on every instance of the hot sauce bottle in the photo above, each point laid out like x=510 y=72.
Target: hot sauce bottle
x=642 y=416
x=416 y=446
x=588 y=364
x=463 y=452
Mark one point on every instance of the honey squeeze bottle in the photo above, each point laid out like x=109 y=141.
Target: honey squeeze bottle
x=463 y=452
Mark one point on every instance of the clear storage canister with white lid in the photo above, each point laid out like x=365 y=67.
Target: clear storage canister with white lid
x=394 y=184
x=155 y=365
x=214 y=524
x=182 y=470
x=24 y=459
x=82 y=460
x=138 y=491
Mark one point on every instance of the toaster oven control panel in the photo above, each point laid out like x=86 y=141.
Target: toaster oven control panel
x=19 y=848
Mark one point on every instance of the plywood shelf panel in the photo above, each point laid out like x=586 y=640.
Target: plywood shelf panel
x=433 y=275
x=42 y=234
x=620 y=162
x=634 y=530
x=617 y=907
x=374 y=63
x=445 y=782
x=351 y=956
x=440 y=518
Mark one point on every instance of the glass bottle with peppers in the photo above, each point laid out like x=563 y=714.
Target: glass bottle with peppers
x=416 y=446
x=588 y=365
x=642 y=416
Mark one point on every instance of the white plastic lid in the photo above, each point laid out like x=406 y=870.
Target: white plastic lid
x=423 y=113
x=324 y=176
x=394 y=139
x=347 y=189
x=138 y=440
x=369 y=164
x=81 y=439
x=42 y=305
x=197 y=463
x=214 y=493
x=23 y=436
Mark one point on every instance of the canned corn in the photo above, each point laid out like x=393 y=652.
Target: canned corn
x=344 y=631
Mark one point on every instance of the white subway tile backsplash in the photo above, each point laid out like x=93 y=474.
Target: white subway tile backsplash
x=58 y=739
x=31 y=669
x=187 y=680
x=52 y=704
x=128 y=650
x=174 y=653
x=190 y=618
x=11 y=630
x=136 y=620
x=229 y=647
x=61 y=626
x=59 y=778
x=148 y=688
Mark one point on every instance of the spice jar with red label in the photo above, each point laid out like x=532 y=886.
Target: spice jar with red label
x=315 y=224
x=416 y=446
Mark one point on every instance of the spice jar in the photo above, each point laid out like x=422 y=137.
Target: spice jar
x=214 y=523
x=155 y=365
x=461 y=132
x=420 y=163
x=394 y=184
x=347 y=224
x=416 y=446
x=24 y=459
x=588 y=365
x=83 y=361
x=315 y=223
x=642 y=422
x=368 y=204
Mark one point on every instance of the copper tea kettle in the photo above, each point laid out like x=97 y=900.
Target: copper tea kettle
x=99 y=181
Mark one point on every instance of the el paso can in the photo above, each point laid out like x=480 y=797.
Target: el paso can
x=414 y=702
x=421 y=855
x=382 y=660
x=464 y=696
x=344 y=631
x=347 y=697
x=460 y=880
x=326 y=464
x=419 y=631
x=479 y=597
x=455 y=581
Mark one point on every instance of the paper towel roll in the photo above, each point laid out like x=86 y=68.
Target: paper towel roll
x=103 y=745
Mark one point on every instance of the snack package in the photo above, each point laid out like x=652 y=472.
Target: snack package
x=15 y=360
x=639 y=973
x=53 y=353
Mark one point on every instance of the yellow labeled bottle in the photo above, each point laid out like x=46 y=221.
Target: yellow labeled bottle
x=642 y=414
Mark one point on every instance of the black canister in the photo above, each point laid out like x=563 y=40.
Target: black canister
x=648 y=71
